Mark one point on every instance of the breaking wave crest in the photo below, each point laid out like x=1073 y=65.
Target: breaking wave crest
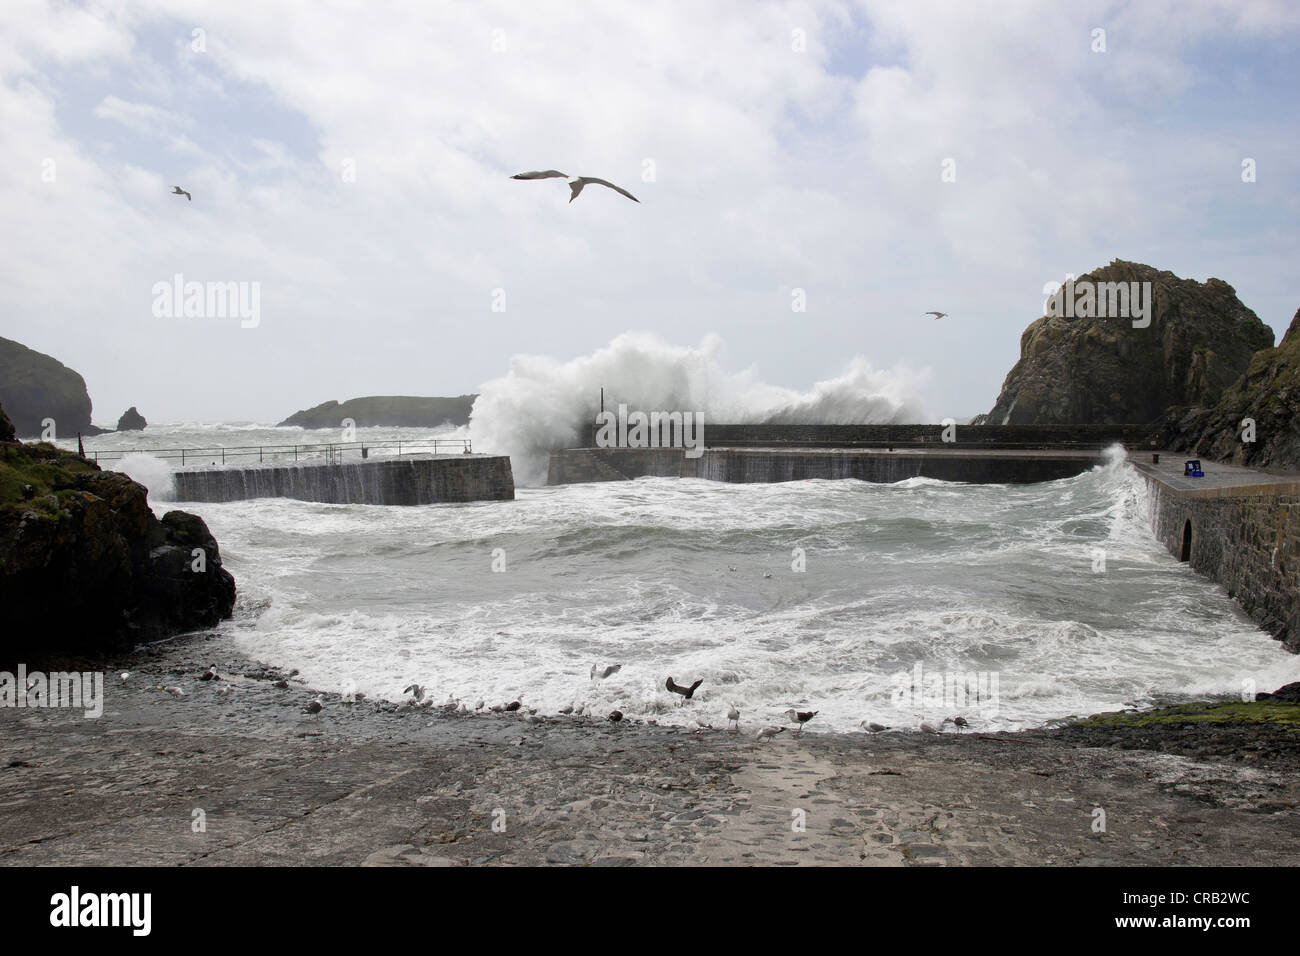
x=542 y=404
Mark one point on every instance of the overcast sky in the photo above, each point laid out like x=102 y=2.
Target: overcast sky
x=773 y=146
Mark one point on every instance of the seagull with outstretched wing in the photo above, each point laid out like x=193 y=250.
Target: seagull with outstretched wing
x=575 y=182
x=177 y=191
x=937 y=315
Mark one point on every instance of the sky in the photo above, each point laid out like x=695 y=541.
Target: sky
x=874 y=160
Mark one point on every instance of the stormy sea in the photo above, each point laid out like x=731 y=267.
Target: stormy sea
x=1014 y=605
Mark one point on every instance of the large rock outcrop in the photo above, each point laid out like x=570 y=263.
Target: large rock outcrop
x=34 y=387
x=1268 y=393
x=131 y=421
x=400 y=410
x=1103 y=371
x=86 y=567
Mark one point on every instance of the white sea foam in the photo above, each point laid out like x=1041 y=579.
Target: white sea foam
x=957 y=578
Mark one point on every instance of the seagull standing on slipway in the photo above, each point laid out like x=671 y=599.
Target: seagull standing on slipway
x=767 y=733
x=937 y=315
x=575 y=182
x=802 y=717
x=177 y=191
x=871 y=727
x=733 y=716
x=416 y=692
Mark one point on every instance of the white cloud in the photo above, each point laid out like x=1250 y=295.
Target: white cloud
x=774 y=169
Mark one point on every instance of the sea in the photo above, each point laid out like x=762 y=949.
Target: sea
x=1014 y=606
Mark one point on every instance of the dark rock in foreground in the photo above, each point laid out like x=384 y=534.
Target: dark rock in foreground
x=34 y=387
x=86 y=567
x=131 y=421
x=1287 y=694
x=1102 y=371
x=393 y=410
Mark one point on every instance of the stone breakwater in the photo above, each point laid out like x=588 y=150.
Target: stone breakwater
x=1239 y=527
x=757 y=465
x=775 y=452
x=419 y=480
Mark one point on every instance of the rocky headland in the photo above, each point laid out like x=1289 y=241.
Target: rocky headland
x=1268 y=395
x=1103 y=371
x=35 y=387
x=85 y=565
x=392 y=410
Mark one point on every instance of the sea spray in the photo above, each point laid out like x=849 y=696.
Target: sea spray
x=542 y=404
x=150 y=471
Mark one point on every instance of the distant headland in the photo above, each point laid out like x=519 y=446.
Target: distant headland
x=409 y=411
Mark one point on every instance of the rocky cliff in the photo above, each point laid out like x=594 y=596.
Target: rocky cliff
x=34 y=387
x=85 y=565
x=1268 y=394
x=402 y=410
x=1101 y=370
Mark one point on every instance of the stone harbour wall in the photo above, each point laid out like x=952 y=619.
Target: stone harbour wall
x=1246 y=539
x=394 y=481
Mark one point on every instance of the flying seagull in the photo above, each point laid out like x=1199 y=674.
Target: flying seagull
x=575 y=182
x=937 y=315
x=177 y=191
x=603 y=672
x=686 y=692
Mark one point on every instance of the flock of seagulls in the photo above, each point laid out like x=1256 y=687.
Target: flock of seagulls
x=419 y=698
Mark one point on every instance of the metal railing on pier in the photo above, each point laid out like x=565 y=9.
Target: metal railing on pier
x=330 y=452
